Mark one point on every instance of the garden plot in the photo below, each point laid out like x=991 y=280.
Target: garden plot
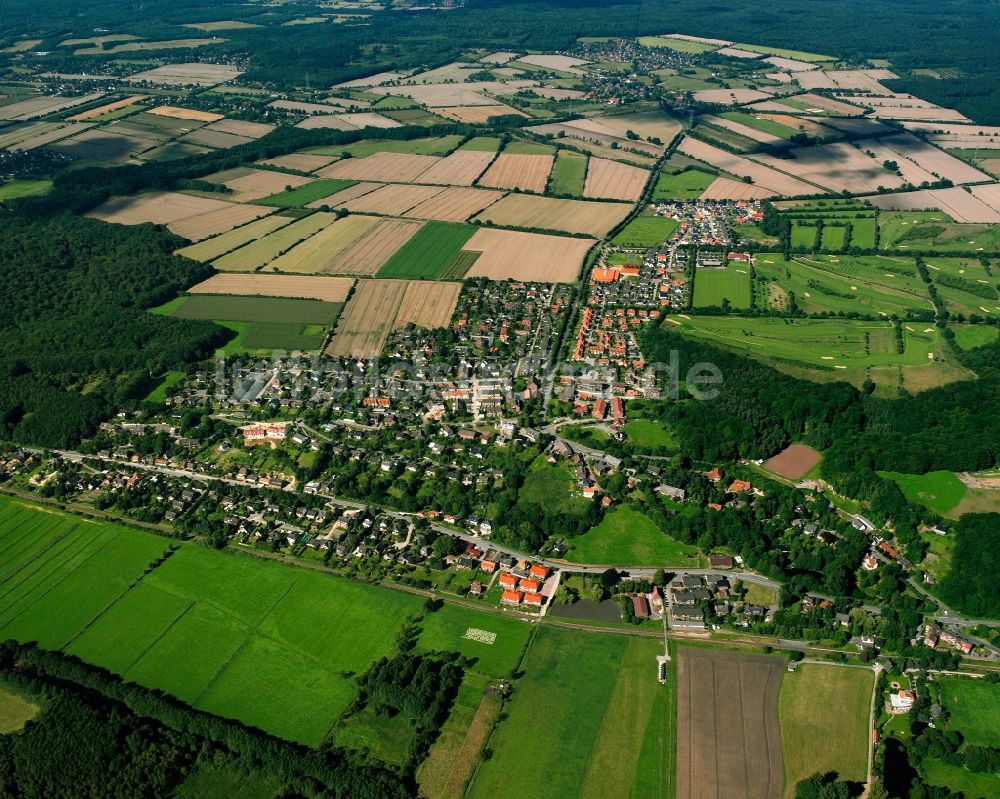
x=614 y=181
x=508 y=254
x=570 y=216
x=526 y=172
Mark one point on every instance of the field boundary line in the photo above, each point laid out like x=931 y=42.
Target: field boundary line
x=9 y=540
x=31 y=527
x=159 y=638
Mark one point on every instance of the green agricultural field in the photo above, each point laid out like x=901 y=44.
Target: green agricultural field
x=14 y=189
x=431 y=146
x=482 y=144
x=15 y=712
x=934 y=230
x=829 y=704
x=868 y=285
x=429 y=253
x=939 y=491
x=191 y=627
x=649 y=434
x=755 y=122
x=598 y=697
x=680 y=45
x=310 y=192
x=829 y=349
x=645 y=231
x=713 y=287
x=686 y=185
x=568 y=173
x=447 y=630
x=797 y=55
x=626 y=537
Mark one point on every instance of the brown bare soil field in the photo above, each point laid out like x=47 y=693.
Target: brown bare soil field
x=614 y=181
x=933 y=160
x=477 y=114
x=727 y=189
x=730 y=96
x=460 y=168
x=571 y=216
x=428 y=304
x=839 y=167
x=303 y=162
x=367 y=254
x=174 y=112
x=241 y=127
x=252 y=184
x=328 y=289
x=317 y=253
x=762 y=176
x=105 y=109
x=526 y=256
x=340 y=197
x=455 y=204
x=519 y=172
x=728 y=741
x=367 y=319
x=158 y=207
x=394 y=200
x=793 y=461
x=956 y=202
x=201 y=226
x=381 y=167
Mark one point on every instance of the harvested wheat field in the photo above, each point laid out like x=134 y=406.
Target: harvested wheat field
x=203 y=226
x=510 y=254
x=726 y=189
x=460 y=168
x=381 y=167
x=212 y=248
x=793 y=462
x=302 y=162
x=762 y=176
x=394 y=200
x=368 y=253
x=477 y=114
x=106 y=109
x=259 y=252
x=730 y=96
x=989 y=194
x=838 y=167
x=748 y=132
x=733 y=752
x=569 y=216
x=158 y=207
x=933 y=160
x=253 y=184
x=455 y=204
x=647 y=124
x=317 y=253
x=241 y=127
x=614 y=181
x=428 y=304
x=344 y=195
x=956 y=202
x=185 y=113
x=529 y=172
x=328 y=289
x=367 y=319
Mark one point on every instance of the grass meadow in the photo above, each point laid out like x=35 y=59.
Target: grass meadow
x=568 y=173
x=939 y=491
x=686 y=185
x=645 y=231
x=712 y=287
x=829 y=704
x=444 y=631
x=626 y=537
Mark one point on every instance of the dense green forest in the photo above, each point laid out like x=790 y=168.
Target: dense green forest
x=96 y=736
x=914 y=34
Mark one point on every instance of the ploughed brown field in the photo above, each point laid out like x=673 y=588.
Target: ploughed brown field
x=793 y=461
x=728 y=741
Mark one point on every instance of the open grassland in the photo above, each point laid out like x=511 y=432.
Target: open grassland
x=319 y=252
x=626 y=537
x=974 y=706
x=940 y=491
x=598 y=696
x=15 y=712
x=827 y=350
x=547 y=213
x=614 y=181
x=734 y=751
x=516 y=171
x=568 y=173
x=934 y=230
x=829 y=704
x=717 y=287
x=217 y=246
x=327 y=289
x=190 y=626
x=446 y=630
x=958 y=778
x=428 y=253
x=368 y=318
x=305 y=194
x=14 y=189
x=259 y=252
x=968 y=337
x=686 y=185
x=645 y=231
x=510 y=254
